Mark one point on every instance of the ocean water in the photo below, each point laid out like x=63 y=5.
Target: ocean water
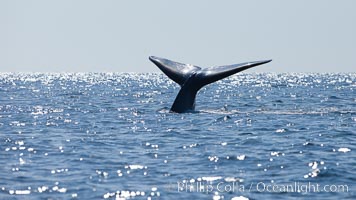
x=111 y=135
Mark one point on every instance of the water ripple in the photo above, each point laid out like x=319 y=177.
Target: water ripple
x=111 y=135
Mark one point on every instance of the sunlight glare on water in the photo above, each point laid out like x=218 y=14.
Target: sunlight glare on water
x=111 y=135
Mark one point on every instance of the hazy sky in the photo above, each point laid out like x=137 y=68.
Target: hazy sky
x=118 y=36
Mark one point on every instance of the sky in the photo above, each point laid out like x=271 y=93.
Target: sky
x=118 y=35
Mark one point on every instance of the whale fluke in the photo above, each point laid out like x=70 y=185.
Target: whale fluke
x=178 y=72
x=192 y=78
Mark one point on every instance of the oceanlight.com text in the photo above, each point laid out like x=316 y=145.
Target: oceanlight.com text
x=238 y=187
x=300 y=187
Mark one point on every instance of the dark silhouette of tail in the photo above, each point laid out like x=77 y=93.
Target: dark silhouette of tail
x=192 y=78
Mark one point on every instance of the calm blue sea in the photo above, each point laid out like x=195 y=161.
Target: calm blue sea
x=111 y=135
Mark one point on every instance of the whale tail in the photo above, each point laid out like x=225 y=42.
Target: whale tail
x=192 y=78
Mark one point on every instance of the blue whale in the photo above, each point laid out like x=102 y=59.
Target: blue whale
x=192 y=78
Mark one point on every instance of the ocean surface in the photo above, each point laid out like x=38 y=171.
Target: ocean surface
x=111 y=136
